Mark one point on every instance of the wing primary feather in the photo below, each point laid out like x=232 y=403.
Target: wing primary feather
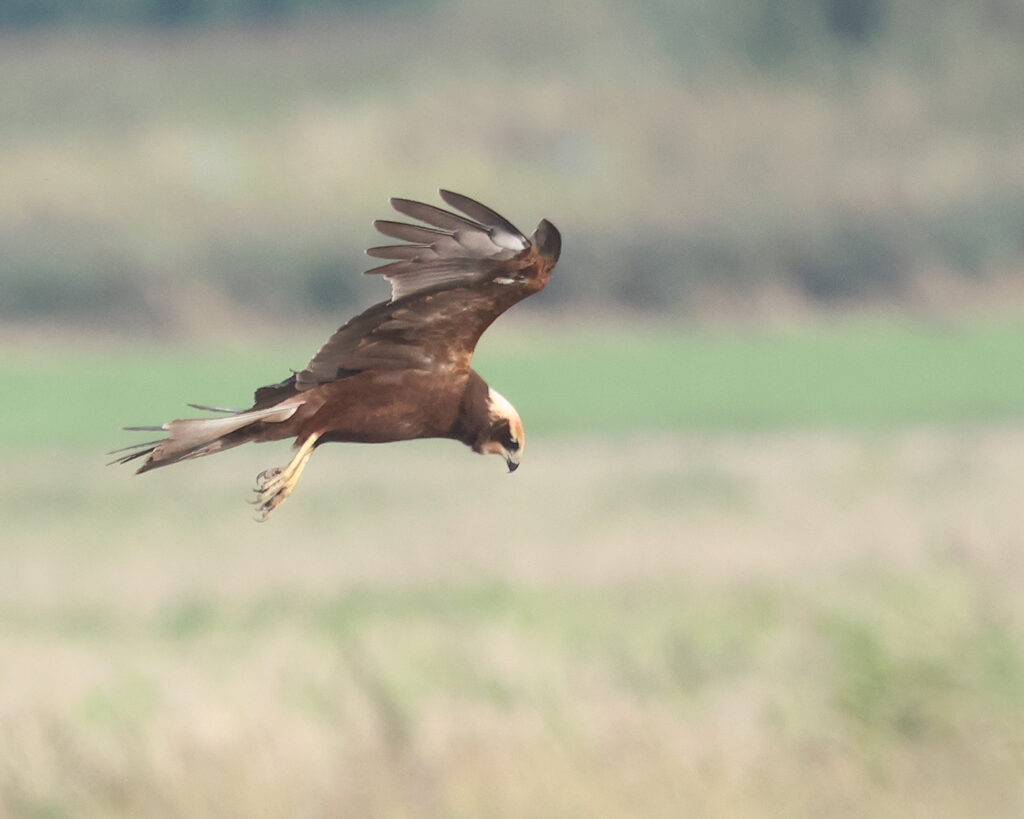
x=400 y=251
x=479 y=212
x=409 y=233
x=433 y=215
x=387 y=269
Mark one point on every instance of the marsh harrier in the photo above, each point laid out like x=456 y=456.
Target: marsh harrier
x=401 y=369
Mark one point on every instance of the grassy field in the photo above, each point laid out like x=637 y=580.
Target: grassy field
x=783 y=590
x=783 y=624
x=864 y=373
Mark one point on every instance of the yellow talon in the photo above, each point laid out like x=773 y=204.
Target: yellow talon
x=273 y=486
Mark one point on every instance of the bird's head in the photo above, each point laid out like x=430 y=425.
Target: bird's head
x=505 y=435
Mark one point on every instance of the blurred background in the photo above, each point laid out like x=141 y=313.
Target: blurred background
x=765 y=553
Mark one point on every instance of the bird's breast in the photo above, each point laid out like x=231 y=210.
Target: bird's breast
x=382 y=406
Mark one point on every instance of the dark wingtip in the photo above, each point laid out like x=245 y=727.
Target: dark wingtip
x=547 y=240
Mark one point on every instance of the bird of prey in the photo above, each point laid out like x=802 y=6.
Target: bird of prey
x=400 y=369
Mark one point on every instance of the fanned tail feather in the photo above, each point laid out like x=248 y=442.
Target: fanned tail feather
x=138 y=450
x=207 y=408
x=195 y=437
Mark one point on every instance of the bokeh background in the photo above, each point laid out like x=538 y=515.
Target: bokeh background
x=765 y=553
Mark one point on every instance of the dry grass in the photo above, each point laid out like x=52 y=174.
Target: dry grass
x=784 y=625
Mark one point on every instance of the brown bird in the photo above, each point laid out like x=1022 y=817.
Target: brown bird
x=399 y=370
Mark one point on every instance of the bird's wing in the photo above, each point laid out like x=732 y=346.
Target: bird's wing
x=454 y=250
x=456 y=275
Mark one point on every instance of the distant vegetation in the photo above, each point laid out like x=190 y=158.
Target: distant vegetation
x=34 y=13
x=165 y=162
x=854 y=20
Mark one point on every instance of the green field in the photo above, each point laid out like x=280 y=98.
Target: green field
x=738 y=575
x=864 y=373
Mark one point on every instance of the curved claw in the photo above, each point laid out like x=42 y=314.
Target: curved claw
x=268 y=501
x=273 y=486
x=268 y=474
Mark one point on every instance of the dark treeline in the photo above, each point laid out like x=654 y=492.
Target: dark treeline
x=777 y=22
x=35 y=13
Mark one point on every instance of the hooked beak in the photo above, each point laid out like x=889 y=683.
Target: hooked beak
x=513 y=463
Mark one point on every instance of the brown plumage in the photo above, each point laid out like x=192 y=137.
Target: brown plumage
x=400 y=369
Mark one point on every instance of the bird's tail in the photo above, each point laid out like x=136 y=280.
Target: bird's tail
x=195 y=437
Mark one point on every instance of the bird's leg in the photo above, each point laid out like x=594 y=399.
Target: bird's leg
x=274 y=485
